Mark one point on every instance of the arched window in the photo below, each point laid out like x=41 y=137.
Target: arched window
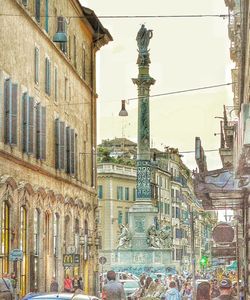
x=35 y=262
x=86 y=230
x=23 y=247
x=77 y=235
x=56 y=243
x=66 y=231
x=5 y=242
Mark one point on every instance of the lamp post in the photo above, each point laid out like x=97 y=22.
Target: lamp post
x=192 y=251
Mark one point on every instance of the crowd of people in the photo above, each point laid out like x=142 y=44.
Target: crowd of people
x=174 y=287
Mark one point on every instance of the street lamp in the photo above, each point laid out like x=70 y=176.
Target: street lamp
x=123 y=112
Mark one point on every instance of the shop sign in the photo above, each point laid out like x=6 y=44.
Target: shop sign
x=77 y=259
x=224 y=251
x=223 y=233
x=70 y=260
x=16 y=255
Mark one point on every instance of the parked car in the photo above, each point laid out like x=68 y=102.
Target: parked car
x=58 y=296
x=6 y=290
x=130 y=286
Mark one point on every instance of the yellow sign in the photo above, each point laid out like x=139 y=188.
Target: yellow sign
x=68 y=260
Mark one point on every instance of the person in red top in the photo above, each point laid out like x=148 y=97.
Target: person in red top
x=68 y=284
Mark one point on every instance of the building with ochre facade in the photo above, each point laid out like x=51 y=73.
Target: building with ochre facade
x=172 y=195
x=47 y=141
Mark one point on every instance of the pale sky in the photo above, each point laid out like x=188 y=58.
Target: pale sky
x=185 y=53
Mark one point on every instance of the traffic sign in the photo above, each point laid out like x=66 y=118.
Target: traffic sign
x=102 y=260
x=16 y=255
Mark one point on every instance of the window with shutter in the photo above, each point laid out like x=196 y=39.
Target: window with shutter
x=38 y=129
x=70 y=150
x=56 y=84
x=74 y=39
x=24 y=121
x=37 y=10
x=7 y=101
x=28 y=124
x=41 y=132
x=57 y=143
x=47 y=15
x=13 y=132
x=83 y=62
x=47 y=76
x=60 y=144
x=25 y=2
x=36 y=65
x=10 y=103
x=31 y=126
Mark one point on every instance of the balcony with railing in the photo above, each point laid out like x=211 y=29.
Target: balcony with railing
x=116 y=169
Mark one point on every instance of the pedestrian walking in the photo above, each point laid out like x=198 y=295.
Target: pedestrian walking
x=172 y=293
x=54 y=287
x=113 y=290
x=68 y=284
x=187 y=292
x=81 y=283
x=75 y=283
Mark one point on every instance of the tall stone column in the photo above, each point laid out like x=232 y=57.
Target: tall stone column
x=142 y=213
x=141 y=247
x=143 y=82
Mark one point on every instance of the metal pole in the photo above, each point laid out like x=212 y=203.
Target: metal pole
x=237 y=259
x=192 y=251
x=102 y=279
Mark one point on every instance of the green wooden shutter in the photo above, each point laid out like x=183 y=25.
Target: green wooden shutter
x=47 y=15
x=13 y=123
x=68 y=145
x=7 y=101
x=72 y=151
x=37 y=8
x=30 y=125
x=43 y=133
x=56 y=84
x=49 y=77
x=46 y=75
x=36 y=65
x=62 y=145
x=38 y=130
x=57 y=143
x=24 y=121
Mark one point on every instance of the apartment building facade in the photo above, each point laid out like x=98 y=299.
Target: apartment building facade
x=173 y=195
x=47 y=136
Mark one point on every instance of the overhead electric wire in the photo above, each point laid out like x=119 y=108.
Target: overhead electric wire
x=152 y=96
x=129 y=17
x=184 y=91
x=157 y=153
